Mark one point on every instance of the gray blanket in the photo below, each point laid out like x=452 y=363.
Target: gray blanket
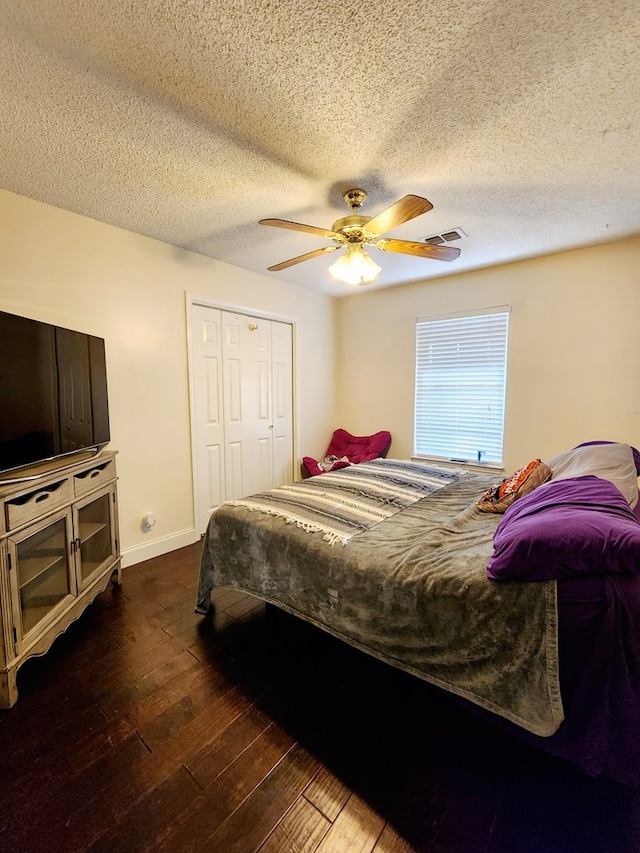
x=412 y=591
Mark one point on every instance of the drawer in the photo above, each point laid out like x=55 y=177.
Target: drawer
x=36 y=503
x=93 y=478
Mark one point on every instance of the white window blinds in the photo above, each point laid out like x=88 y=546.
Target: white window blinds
x=461 y=365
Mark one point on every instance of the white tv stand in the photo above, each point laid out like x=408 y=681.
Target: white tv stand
x=59 y=547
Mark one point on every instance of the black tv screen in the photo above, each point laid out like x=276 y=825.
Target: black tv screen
x=53 y=392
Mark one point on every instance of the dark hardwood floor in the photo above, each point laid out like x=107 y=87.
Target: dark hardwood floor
x=147 y=727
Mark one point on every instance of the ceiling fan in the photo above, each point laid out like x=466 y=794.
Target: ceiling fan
x=354 y=232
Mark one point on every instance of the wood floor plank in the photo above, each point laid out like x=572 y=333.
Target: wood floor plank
x=220 y=628
x=19 y=751
x=231 y=789
x=145 y=825
x=175 y=606
x=392 y=842
x=244 y=607
x=224 y=597
x=107 y=788
x=250 y=825
x=86 y=686
x=137 y=690
x=300 y=830
x=328 y=794
x=58 y=768
x=182 y=622
x=214 y=758
x=356 y=829
x=125 y=794
x=197 y=685
x=62 y=811
x=183 y=726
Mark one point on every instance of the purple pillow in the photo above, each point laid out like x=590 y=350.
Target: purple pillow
x=578 y=526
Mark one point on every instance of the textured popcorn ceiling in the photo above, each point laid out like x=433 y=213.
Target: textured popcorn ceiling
x=189 y=120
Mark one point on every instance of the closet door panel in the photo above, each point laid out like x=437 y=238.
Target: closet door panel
x=233 y=395
x=235 y=471
x=282 y=412
x=208 y=407
x=247 y=378
x=215 y=467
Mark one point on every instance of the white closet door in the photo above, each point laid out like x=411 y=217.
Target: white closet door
x=246 y=353
x=206 y=343
x=242 y=403
x=282 y=404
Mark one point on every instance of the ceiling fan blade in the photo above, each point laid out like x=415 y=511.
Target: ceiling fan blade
x=420 y=250
x=407 y=208
x=297 y=226
x=298 y=260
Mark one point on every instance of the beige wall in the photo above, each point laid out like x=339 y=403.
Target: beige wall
x=574 y=350
x=76 y=272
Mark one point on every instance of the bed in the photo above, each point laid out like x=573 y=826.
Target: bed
x=530 y=616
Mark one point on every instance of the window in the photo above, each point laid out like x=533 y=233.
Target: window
x=461 y=366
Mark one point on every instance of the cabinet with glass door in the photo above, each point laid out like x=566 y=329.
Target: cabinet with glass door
x=59 y=549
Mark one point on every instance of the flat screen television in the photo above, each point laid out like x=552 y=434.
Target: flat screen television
x=53 y=394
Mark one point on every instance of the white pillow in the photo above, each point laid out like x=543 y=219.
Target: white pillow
x=612 y=462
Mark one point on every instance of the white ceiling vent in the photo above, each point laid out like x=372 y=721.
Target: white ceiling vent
x=446 y=237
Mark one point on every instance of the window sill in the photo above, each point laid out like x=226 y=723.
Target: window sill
x=471 y=466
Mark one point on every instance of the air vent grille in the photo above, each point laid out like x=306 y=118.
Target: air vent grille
x=446 y=237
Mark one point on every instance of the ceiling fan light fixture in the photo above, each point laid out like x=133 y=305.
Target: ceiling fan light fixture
x=355 y=267
x=354 y=232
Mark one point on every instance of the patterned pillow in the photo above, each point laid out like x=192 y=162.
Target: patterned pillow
x=499 y=498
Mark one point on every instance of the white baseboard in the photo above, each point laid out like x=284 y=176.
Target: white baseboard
x=139 y=553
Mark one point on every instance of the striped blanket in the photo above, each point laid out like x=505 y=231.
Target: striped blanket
x=349 y=501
